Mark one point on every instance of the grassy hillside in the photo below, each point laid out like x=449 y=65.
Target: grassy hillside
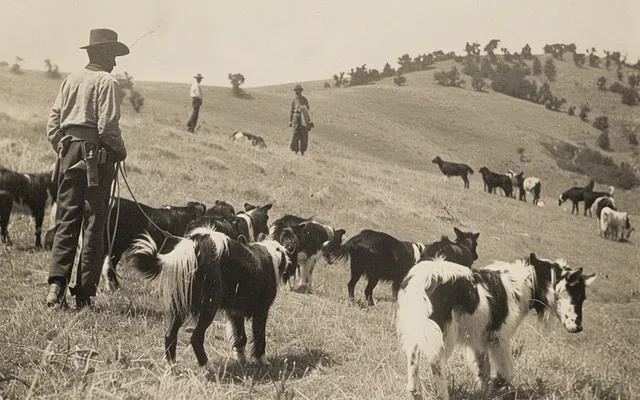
x=368 y=166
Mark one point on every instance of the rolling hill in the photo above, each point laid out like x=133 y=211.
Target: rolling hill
x=368 y=166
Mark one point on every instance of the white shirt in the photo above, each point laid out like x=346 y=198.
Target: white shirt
x=195 y=90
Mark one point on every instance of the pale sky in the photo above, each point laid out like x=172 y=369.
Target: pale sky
x=283 y=41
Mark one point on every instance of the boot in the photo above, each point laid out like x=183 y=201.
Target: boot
x=83 y=302
x=56 y=295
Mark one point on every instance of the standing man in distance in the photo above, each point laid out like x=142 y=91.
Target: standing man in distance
x=84 y=130
x=196 y=100
x=300 y=120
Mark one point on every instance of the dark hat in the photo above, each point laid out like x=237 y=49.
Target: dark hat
x=106 y=38
x=199 y=76
x=298 y=87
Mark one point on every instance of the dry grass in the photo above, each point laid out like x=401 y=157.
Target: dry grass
x=369 y=166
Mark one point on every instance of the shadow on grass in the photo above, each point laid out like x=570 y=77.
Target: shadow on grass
x=293 y=366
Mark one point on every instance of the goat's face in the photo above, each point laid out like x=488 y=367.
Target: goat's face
x=570 y=292
x=437 y=160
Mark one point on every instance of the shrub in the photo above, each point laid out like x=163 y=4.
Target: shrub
x=526 y=52
x=578 y=59
x=550 y=70
x=633 y=80
x=136 y=99
x=572 y=110
x=592 y=163
x=16 y=68
x=603 y=141
x=340 y=80
x=601 y=123
x=450 y=78
x=602 y=81
x=584 y=112
x=327 y=85
x=537 y=67
x=486 y=70
x=478 y=83
x=630 y=96
x=554 y=103
x=470 y=68
x=616 y=87
x=52 y=70
x=400 y=80
x=236 y=80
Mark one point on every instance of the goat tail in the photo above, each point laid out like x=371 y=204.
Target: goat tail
x=415 y=329
x=335 y=251
x=470 y=170
x=182 y=271
x=611 y=190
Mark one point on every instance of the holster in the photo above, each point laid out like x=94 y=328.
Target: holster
x=91 y=157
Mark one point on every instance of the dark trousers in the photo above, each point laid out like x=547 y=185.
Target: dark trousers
x=81 y=209
x=299 y=138
x=193 y=121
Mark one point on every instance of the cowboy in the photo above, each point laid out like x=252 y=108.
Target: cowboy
x=196 y=101
x=84 y=131
x=300 y=119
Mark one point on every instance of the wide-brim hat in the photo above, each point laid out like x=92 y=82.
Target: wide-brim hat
x=199 y=76
x=108 y=39
x=298 y=88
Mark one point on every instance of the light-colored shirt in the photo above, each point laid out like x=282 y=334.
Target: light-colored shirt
x=195 y=90
x=88 y=98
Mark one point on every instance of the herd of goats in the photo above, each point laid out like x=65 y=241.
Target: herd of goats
x=210 y=259
x=612 y=224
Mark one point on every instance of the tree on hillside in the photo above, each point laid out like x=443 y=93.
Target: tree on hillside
x=584 y=112
x=537 y=66
x=478 y=83
x=634 y=80
x=340 y=80
x=387 y=71
x=619 y=74
x=491 y=46
x=16 y=68
x=507 y=55
x=603 y=141
x=578 y=59
x=52 y=70
x=630 y=96
x=548 y=49
x=601 y=123
x=526 y=52
x=125 y=83
x=594 y=60
x=602 y=81
x=400 y=80
x=486 y=70
x=472 y=49
x=327 y=85
x=236 y=80
x=449 y=78
x=550 y=70
x=406 y=63
x=470 y=67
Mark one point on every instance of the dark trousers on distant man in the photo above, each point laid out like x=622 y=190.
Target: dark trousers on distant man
x=299 y=138
x=81 y=210
x=193 y=121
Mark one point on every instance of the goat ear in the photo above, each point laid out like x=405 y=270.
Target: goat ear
x=242 y=239
x=267 y=207
x=588 y=279
x=249 y=207
x=476 y=235
x=340 y=232
x=573 y=276
x=532 y=258
x=457 y=231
